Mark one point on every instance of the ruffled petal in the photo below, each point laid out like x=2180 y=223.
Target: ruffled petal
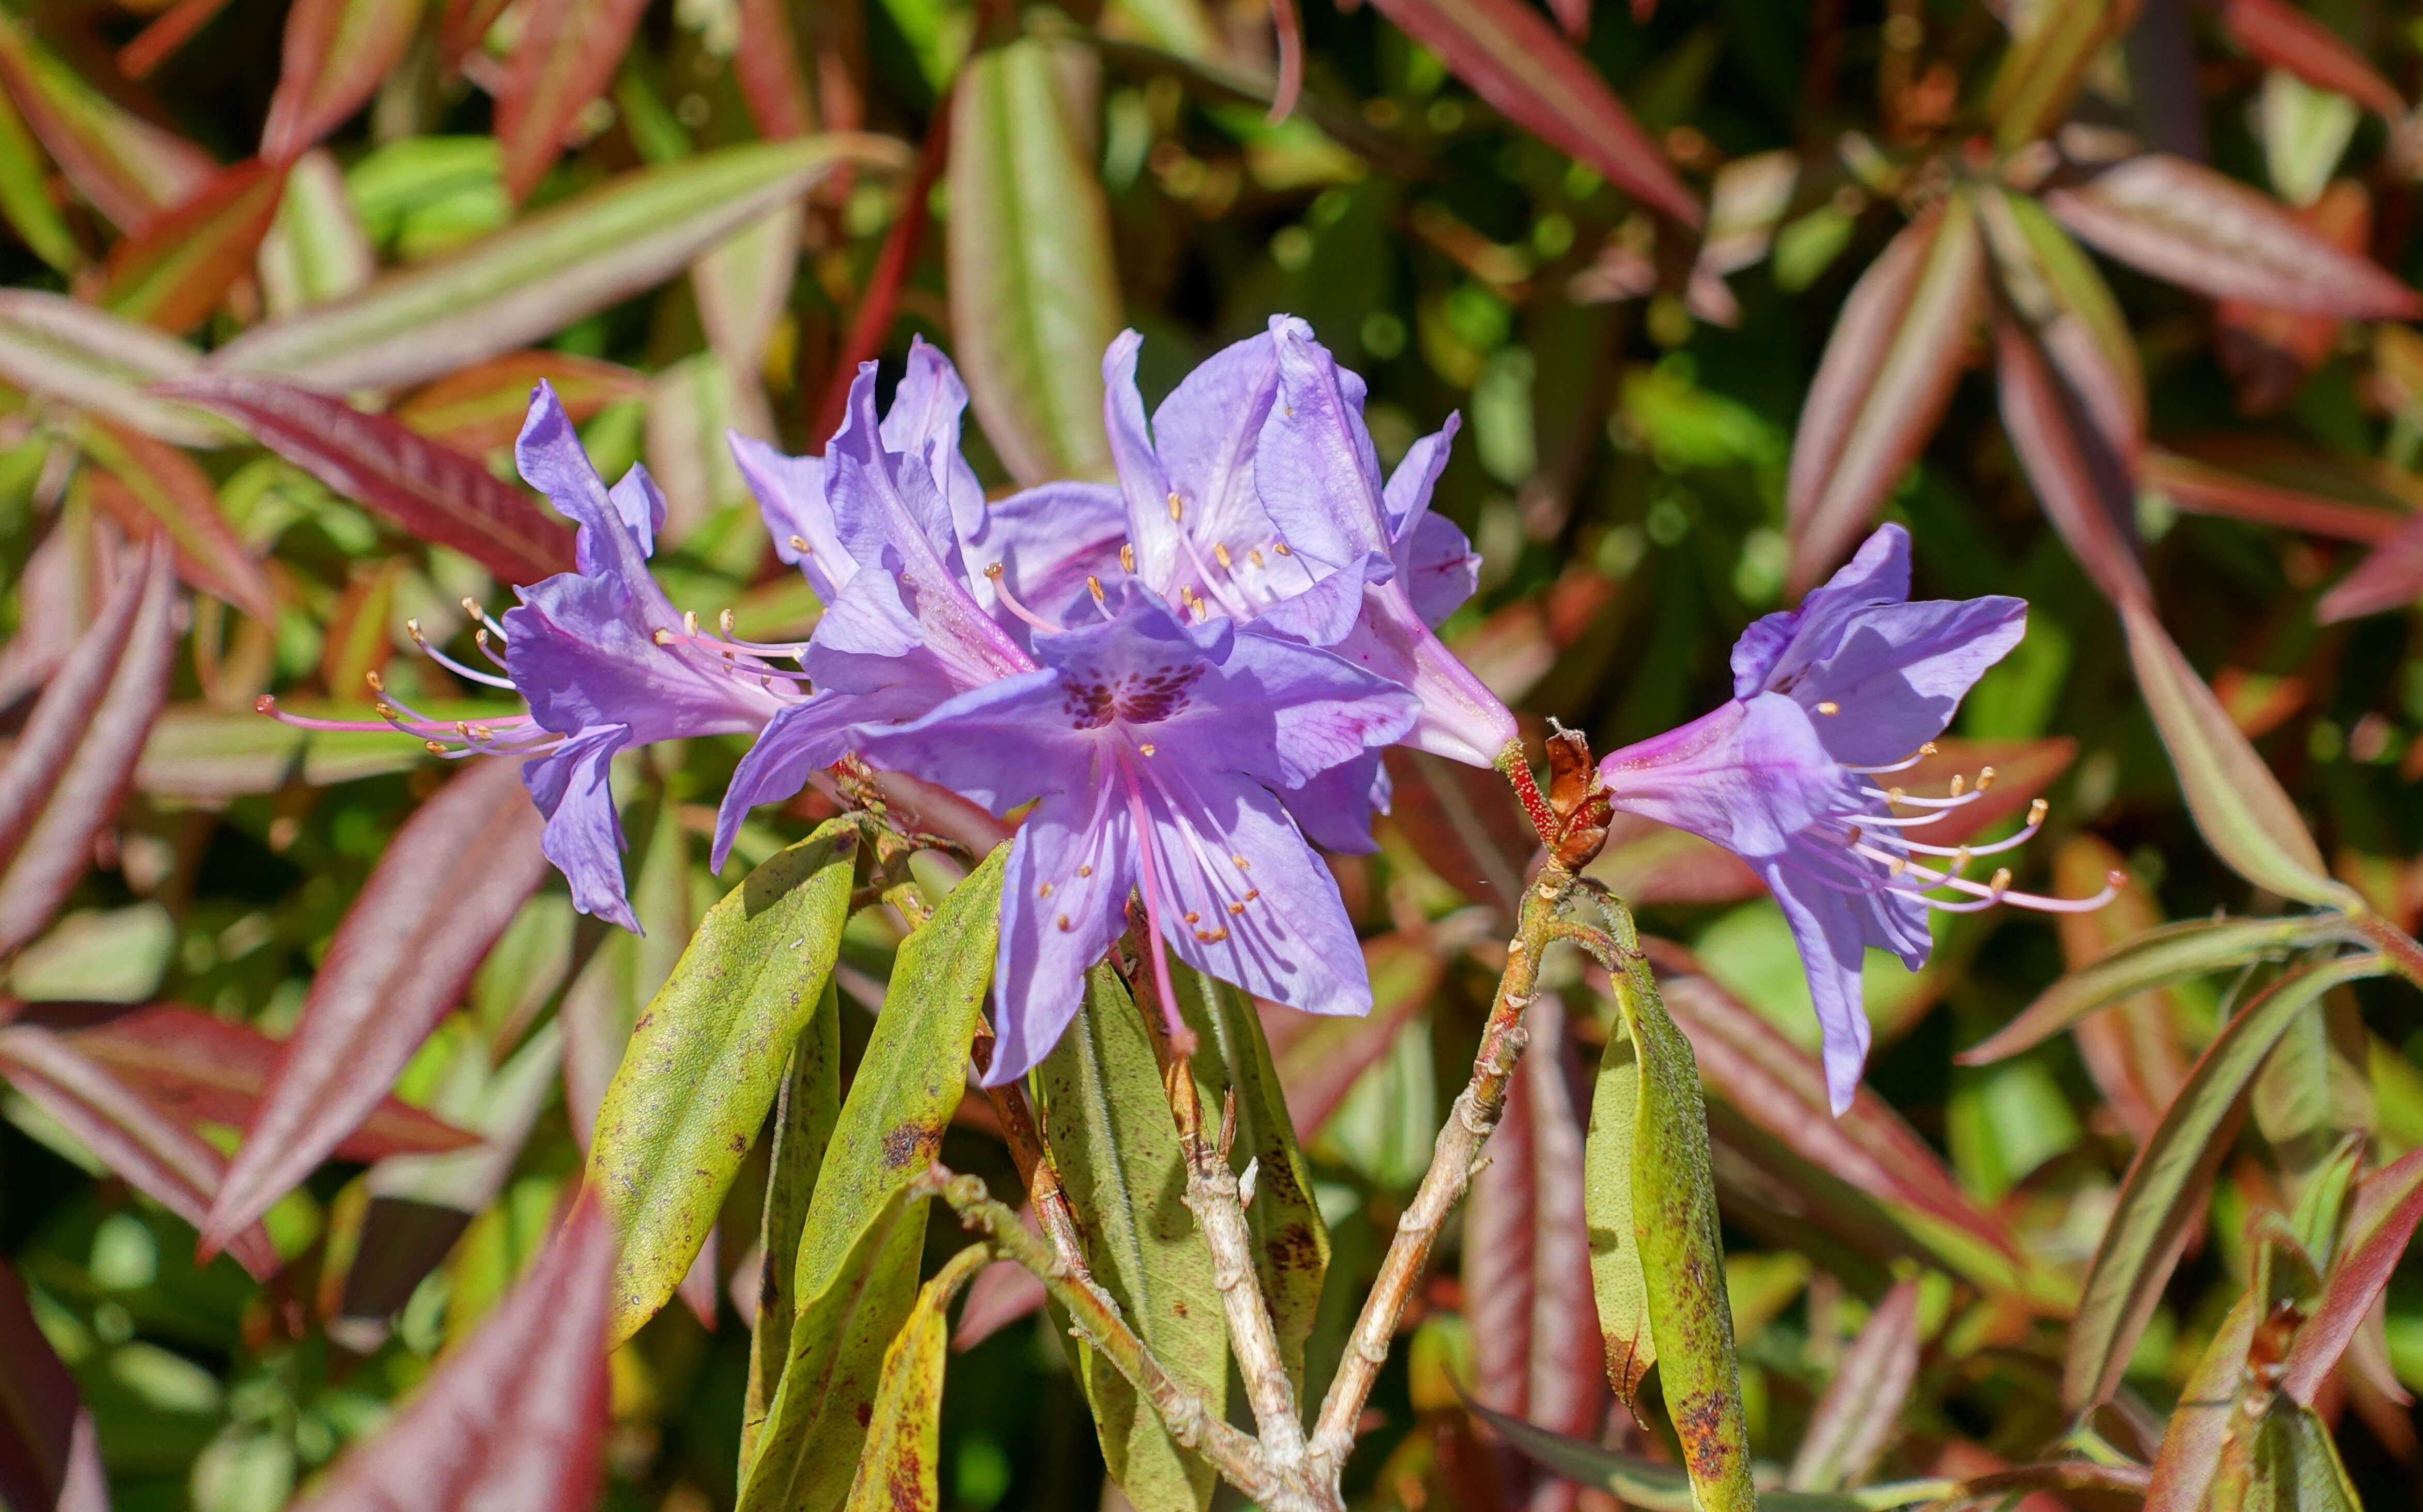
x=573 y=786
x=1064 y=900
x=1899 y=670
x=1334 y=808
x=1406 y=500
x=1316 y=466
x=799 y=741
x=1827 y=927
x=1439 y=568
x=791 y=497
x=1048 y=540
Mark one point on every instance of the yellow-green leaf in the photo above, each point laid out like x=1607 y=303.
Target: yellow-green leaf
x=904 y=1435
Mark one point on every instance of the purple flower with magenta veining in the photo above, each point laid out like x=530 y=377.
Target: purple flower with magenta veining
x=1829 y=699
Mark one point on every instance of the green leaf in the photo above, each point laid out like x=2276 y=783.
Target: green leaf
x=1681 y=1254
x=2238 y=806
x=803 y=1127
x=706 y=1057
x=904 y=1435
x=2191 y=1443
x=1616 y=1280
x=2158 y=958
x=2151 y=1219
x=1107 y=1125
x=1034 y=297
x=26 y=197
x=860 y=1242
x=2042 y=72
x=1290 y=1241
x=549 y=269
x=54 y=345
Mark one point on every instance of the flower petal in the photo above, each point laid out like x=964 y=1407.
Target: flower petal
x=1899 y=672
x=1826 y=926
x=1049 y=539
x=1439 y=568
x=803 y=738
x=923 y=424
x=1459 y=718
x=1206 y=431
x=1318 y=472
x=1064 y=900
x=1407 y=498
x=999 y=745
x=1334 y=808
x=573 y=786
x=1748 y=775
x=791 y=496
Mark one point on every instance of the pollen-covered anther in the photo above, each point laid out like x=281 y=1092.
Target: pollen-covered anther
x=1959 y=785
x=1043 y=889
x=483 y=734
x=1147 y=747
x=800 y=544
x=1254 y=557
x=1211 y=936
x=385 y=711
x=1177 y=508
x=471 y=605
x=1063 y=923
x=433 y=747
x=1281 y=547
x=1985 y=778
x=1094 y=585
x=1251 y=893
x=2001 y=881
x=664 y=637
x=1237 y=908
x=1898 y=865
x=379 y=683
x=1193 y=918
x=1853 y=838
x=1926 y=749
x=1828 y=706
x=266 y=703
x=1220 y=553
x=1960 y=858
x=412 y=628
x=2115 y=880
x=1894 y=797
x=1127 y=555
x=1242 y=864
x=2037 y=811
x=1086 y=869
x=724 y=622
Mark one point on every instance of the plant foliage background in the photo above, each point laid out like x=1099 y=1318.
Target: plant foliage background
x=2103 y=301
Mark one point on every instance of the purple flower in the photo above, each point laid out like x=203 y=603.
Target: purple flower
x=1828 y=699
x=1157 y=751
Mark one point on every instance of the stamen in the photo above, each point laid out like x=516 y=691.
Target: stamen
x=1255 y=557
x=689 y=623
x=1009 y=601
x=1927 y=748
x=1084 y=869
x=1176 y=509
x=1182 y=1038
x=1251 y=893
x=1063 y=923
x=2037 y=812
x=1281 y=547
x=1237 y=908
x=2001 y=882
x=664 y=637
x=1094 y=585
x=1147 y=748
x=1221 y=553
x=379 y=683
x=1985 y=779
x=1192 y=917
x=1902 y=765
x=1043 y=891
x=1243 y=865
x=1127 y=555
x=799 y=544
x=1828 y=706
x=1959 y=785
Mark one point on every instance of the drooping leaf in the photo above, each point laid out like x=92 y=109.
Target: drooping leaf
x=2238 y=806
x=433 y=492
x=145 y=1148
x=2158 y=958
x=153 y=489
x=565 y=57
x=2278 y=35
x=2192 y=1441
x=2051 y=283
x=707 y=1059
x=334 y=55
x=1515 y=60
x=1290 y=1241
x=547 y=270
x=515 y=1416
x=2156 y=1207
x=126 y=167
x=2388 y=1204
x=1888 y=373
x=2184 y=222
x=317 y=249
x=898 y=1469
x=92 y=359
x=1854 y=1420
x=2080 y=478
x=481 y=408
x=1034 y=296
x=26 y=195
x=859 y=1245
x=1618 y=1287
x=444 y=889
x=49 y=1454
x=803 y=1127
x=2048 y=62
x=2389 y=578
x=175 y=272
x=2137 y=1052
x=2197 y=484
x=65 y=789
x=1107 y=1128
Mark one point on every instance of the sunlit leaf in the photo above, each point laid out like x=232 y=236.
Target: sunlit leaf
x=92 y=359
x=565 y=57
x=481 y=408
x=2048 y=62
x=26 y=195
x=2388 y=1204
x=124 y=167
x=156 y=490
x=444 y=889
x=317 y=249
x=2280 y=36
x=175 y=272
x=805 y=1117
x=1854 y=1420
x=334 y=55
x=898 y=1471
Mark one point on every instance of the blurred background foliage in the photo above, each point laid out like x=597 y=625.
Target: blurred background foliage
x=1473 y=231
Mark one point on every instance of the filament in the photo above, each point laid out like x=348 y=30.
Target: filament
x=1009 y=601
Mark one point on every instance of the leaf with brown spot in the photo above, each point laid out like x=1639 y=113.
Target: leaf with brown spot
x=897 y=1471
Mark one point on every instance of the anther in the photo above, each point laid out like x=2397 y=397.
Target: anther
x=1242 y=864
x=1193 y=918
x=1985 y=778
x=1853 y=838
x=471 y=605
x=266 y=703
x=483 y=734
x=724 y=623
x=412 y=628
x=433 y=747
x=384 y=709
x=1127 y=555
x=1176 y=509
x=379 y=683
x=1281 y=547
x=1255 y=557
x=1147 y=747
x=1220 y=553
x=1828 y=706
x=1959 y=785
x=2115 y=878
x=664 y=637
x=1894 y=797
x=1898 y=865
x=1043 y=891
x=1094 y=585
x=1085 y=869
x=800 y=543
x=1236 y=907
x=1251 y=893
x=1926 y=749
x=690 y=622
x=2037 y=811
x=2000 y=881
x=1063 y=923
x=1960 y=858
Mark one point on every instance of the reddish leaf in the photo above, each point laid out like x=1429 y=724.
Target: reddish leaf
x=466 y=26
x=567 y=56
x=481 y=408
x=1461 y=825
x=2200 y=487
x=2269 y=351
x=2051 y=283
x=155 y=489
x=2082 y=482
x=433 y=492
x=97 y=362
x=130 y=170
x=1515 y=60
x=1645 y=863
x=1883 y=383
x=1854 y=1420
x=65 y=713
x=197 y=1069
x=2385 y=1209
x=335 y=53
x=85 y=782
x=767 y=68
x=1321 y=1056
x=2279 y=36
x=177 y=270
x=515 y=1416
x=2048 y=62
x=58 y=597
x=2134 y=1051
x=2390 y=578
x=446 y=887
x=2199 y=1430
x=170 y=30
x=48 y=1455
x=2182 y=222
x=158 y=1158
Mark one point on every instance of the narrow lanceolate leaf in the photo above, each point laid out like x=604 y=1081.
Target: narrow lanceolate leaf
x=565 y=58
x=515 y=1416
x=433 y=492
x=54 y=345
x=1854 y=1419
x=447 y=886
x=2191 y=1443
x=481 y=408
x=707 y=1059
x=148 y=1151
x=804 y=1125
x=772 y=81
x=176 y=271
x=2389 y=578
x=1888 y=373
x=2184 y=222
x=26 y=195
x=2158 y=958
x=2238 y=806
x=1682 y=1256
x=547 y=270
x=1292 y=1243
x=2278 y=35
x=84 y=778
x=334 y=55
x=859 y=1245
x=199 y=1070
x=2388 y=1204
x=62 y=715
x=317 y=250
x=2356 y=512
x=2051 y=283
x=2082 y=481
x=1107 y=1128
x=126 y=167
x=2156 y=1204
x=2137 y=1052
x=1617 y=1284
x=1514 y=59
x=49 y=1455
x=155 y=490
x=898 y=1471
x=1034 y=297
x=2042 y=72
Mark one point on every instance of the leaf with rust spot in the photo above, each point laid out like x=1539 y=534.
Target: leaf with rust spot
x=904 y=1424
